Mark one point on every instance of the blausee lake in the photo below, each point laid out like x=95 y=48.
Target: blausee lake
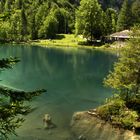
x=73 y=79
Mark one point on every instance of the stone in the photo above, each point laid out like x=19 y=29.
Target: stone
x=85 y=126
x=47 y=120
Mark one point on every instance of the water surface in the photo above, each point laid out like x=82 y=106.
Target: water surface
x=73 y=79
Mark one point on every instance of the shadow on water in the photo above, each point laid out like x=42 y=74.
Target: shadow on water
x=73 y=79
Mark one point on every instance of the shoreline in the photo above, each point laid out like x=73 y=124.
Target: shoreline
x=99 y=48
x=66 y=41
x=88 y=126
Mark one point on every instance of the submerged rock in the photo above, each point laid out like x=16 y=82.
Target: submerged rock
x=88 y=126
x=47 y=120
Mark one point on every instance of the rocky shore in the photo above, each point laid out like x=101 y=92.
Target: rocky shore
x=88 y=126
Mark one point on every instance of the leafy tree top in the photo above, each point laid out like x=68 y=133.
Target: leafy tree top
x=125 y=77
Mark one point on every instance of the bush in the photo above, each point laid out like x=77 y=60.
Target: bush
x=128 y=118
x=112 y=108
x=134 y=103
x=107 y=46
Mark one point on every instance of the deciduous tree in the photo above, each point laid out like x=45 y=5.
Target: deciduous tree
x=89 y=19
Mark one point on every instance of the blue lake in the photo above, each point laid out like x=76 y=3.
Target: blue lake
x=73 y=79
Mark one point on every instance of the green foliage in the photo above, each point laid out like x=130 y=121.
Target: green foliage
x=107 y=45
x=29 y=23
x=49 y=28
x=22 y=20
x=4 y=31
x=136 y=11
x=18 y=4
x=116 y=112
x=12 y=106
x=125 y=79
x=8 y=4
x=15 y=25
x=134 y=103
x=7 y=63
x=110 y=21
x=89 y=19
x=128 y=118
x=113 y=107
x=23 y=23
x=124 y=18
x=126 y=75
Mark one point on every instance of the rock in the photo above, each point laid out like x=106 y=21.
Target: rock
x=85 y=126
x=47 y=120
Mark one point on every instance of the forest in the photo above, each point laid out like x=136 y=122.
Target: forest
x=27 y=20
x=22 y=20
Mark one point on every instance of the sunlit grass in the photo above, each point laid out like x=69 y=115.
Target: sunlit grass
x=63 y=40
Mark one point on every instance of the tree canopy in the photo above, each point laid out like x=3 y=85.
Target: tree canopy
x=89 y=19
x=43 y=19
x=125 y=78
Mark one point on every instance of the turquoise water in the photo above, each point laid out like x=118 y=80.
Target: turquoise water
x=73 y=79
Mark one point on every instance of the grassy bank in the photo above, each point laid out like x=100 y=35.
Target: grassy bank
x=64 y=40
x=72 y=41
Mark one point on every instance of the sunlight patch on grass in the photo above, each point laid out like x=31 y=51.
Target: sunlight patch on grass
x=62 y=40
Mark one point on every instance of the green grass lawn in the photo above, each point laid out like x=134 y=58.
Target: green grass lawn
x=63 y=40
x=70 y=41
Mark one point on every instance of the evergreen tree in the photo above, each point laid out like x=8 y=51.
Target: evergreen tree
x=136 y=12
x=4 y=31
x=110 y=20
x=124 y=17
x=16 y=26
x=12 y=106
x=49 y=28
x=33 y=31
x=40 y=16
x=62 y=18
x=126 y=75
x=23 y=23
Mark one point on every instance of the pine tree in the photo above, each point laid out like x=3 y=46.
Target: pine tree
x=110 y=20
x=136 y=11
x=124 y=17
x=12 y=106
x=49 y=28
x=23 y=23
x=125 y=78
x=33 y=31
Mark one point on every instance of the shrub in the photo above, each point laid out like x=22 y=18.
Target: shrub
x=128 y=118
x=112 y=108
x=107 y=45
